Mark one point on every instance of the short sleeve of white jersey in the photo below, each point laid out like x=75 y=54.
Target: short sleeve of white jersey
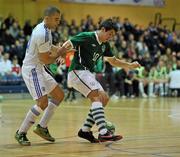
x=42 y=44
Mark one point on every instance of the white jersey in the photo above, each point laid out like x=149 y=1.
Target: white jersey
x=38 y=81
x=40 y=42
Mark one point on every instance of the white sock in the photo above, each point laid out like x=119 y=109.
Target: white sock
x=29 y=120
x=48 y=113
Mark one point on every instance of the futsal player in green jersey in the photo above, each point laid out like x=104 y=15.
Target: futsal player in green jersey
x=90 y=46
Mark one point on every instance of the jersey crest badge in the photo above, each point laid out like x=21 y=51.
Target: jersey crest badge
x=93 y=45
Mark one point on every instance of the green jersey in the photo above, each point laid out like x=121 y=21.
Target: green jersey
x=140 y=72
x=161 y=72
x=89 y=50
x=53 y=68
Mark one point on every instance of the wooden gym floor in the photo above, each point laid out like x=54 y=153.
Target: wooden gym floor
x=151 y=128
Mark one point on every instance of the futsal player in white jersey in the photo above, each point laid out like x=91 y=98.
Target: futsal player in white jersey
x=40 y=84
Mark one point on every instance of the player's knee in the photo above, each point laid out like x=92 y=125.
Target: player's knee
x=57 y=94
x=100 y=96
x=42 y=103
x=58 y=97
x=61 y=97
x=105 y=99
x=55 y=102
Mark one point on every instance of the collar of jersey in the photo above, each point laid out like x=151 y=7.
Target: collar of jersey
x=45 y=26
x=97 y=38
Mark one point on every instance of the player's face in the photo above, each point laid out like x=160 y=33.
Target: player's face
x=54 y=20
x=108 y=35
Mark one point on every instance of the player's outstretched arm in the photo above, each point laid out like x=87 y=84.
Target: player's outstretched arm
x=49 y=56
x=121 y=63
x=66 y=47
x=55 y=52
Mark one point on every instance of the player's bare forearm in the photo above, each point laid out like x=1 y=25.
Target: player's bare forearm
x=46 y=58
x=121 y=63
x=57 y=51
x=66 y=47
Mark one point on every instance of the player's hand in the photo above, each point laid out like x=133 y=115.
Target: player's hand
x=68 y=46
x=134 y=65
x=63 y=50
x=60 y=60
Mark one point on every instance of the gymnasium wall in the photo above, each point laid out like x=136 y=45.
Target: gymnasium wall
x=33 y=9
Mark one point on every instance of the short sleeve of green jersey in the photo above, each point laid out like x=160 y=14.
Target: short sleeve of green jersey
x=80 y=39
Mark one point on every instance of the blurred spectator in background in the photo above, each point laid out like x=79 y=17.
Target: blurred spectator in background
x=1 y=51
x=9 y=20
x=14 y=30
x=124 y=79
x=142 y=77
x=161 y=87
x=174 y=80
x=16 y=69
x=109 y=74
x=5 y=68
x=5 y=64
x=152 y=78
x=27 y=28
x=141 y=46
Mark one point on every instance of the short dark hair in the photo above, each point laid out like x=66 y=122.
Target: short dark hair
x=51 y=10
x=109 y=24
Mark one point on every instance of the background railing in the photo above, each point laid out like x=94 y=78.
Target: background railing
x=170 y=21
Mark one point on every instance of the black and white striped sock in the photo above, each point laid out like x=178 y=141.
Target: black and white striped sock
x=88 y=124
x=97 y=111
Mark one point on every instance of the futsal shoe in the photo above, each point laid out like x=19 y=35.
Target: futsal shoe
x=44 y=133
x=22 y=139
x=88 y=136
x=109 y=137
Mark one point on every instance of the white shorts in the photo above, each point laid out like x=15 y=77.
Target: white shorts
x=83 y=81
x=38 y=81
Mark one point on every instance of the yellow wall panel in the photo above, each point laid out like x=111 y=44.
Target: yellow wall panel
x=31 y=9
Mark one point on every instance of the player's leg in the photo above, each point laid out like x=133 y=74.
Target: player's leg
x=29 y=120
x=74 y=80
x=57 y=95
x=89 y=122
x=85 y=132
x=98 y=98
x=34 y=83
x=85 y=82
x=41 y=128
